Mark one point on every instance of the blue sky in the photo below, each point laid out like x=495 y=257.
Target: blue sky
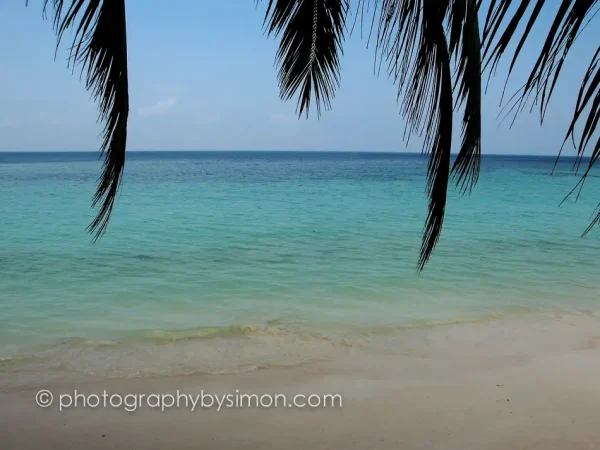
x=202 y=78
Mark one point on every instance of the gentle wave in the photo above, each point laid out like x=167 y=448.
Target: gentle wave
x=236 y=349
x=234 y=331
x=235 y=337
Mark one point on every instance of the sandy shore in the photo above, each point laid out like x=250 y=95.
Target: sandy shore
x=509 y=384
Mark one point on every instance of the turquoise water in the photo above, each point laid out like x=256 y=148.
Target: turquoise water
x=219 y=261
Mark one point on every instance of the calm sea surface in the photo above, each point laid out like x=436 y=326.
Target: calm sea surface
x=218 y=261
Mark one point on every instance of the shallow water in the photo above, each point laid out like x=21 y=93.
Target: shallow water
x=222 y=262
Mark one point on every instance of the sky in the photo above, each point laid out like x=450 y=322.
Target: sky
x=202 y=77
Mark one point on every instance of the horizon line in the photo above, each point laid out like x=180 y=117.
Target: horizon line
x=281 y=151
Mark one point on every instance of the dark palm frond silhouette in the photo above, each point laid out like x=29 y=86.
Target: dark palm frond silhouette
x=310 y=48
x=435 y=51
x=100 y=47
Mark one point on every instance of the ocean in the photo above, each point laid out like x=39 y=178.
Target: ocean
x=220 y=262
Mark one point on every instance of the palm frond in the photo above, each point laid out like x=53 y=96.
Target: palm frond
x=590 y=89
x=418 y=39
x=570 y=19
x=411 y=38
x=464 y=20
x=100 y=48
x=397 y=38
x=432 y=80
x=310 y=48
x=588 y=100
x=506 y=21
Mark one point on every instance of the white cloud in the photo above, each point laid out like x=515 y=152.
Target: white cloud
x=283 y=118
x=162 y=107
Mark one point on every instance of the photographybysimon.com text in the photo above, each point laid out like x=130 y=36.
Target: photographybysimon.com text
x=178 y=399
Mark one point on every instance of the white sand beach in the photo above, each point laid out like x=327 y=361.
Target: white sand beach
x=526 y=383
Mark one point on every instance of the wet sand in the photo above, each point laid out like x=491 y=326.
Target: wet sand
x=526 y=383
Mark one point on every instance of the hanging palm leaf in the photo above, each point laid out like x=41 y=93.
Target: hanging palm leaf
x=570 y=18
x=418 y=60
x=100 y=48
x=312 y=33
x=419 y=40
